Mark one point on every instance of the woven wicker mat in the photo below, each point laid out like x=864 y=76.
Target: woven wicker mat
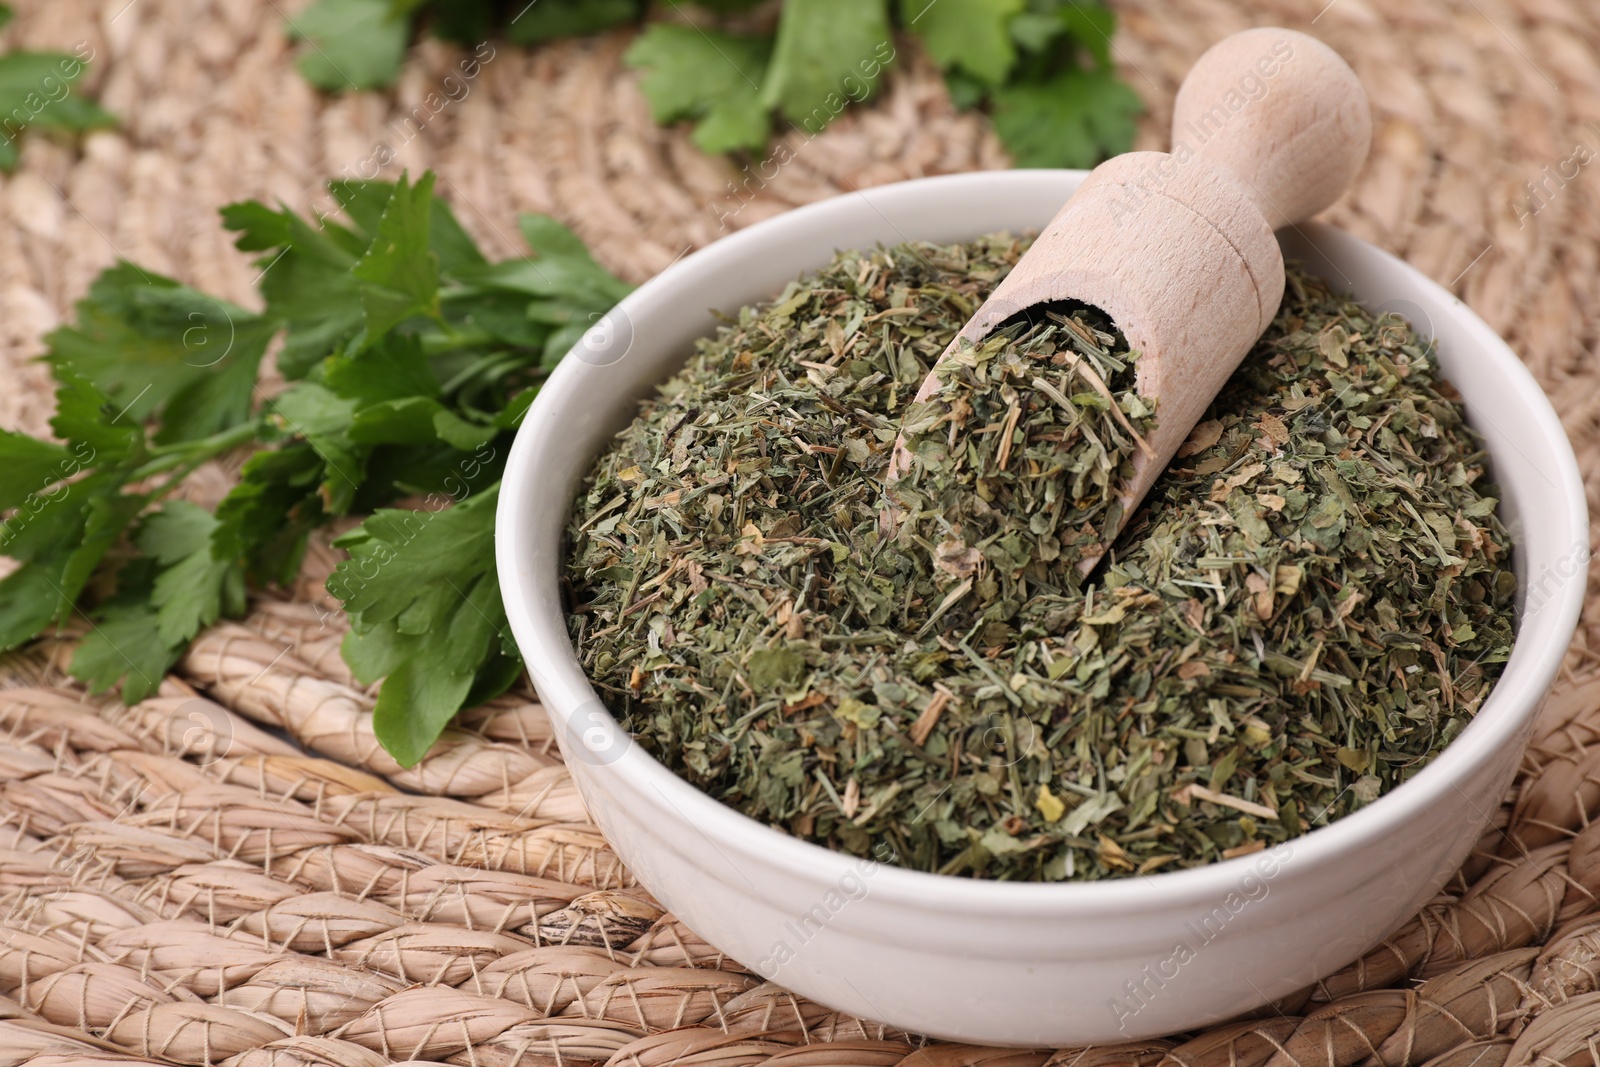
x=182 y=886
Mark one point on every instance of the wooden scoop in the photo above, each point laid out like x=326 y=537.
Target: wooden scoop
x=1177 y=248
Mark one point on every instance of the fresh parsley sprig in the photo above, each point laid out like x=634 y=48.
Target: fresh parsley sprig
x=410 y=359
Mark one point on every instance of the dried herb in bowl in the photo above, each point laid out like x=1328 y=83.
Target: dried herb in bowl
x=1312 y=602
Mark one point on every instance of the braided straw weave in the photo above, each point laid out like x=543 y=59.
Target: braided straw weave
x=181 y=885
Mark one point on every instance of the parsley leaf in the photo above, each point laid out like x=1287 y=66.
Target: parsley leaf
x=59 y=537
x=36 y=91
x=548 y=20
x=1075 y=119
x=306 y=282
x=155 y=347
x=1090 y=25
x=29 y=466
x=106 y=513
x=560 y=288
x=266 y=518
x=465 y=22
x=560 y=268
x=425 y=615
x=84 y=418
x=124 y=646
x=825 y=47
x=323 y=419
x=972 y=35
x=1042 y=66
x=366 y=202
x=196 y=588
x=1036 y=28
x=394 y=367
x=350 y=44
x=399 y=274
x=63 y=525
x=163 y=600
x=707 y=76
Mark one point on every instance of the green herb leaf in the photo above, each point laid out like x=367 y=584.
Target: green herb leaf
x=466 y=22
x=29 y=466
x=125 y=646
x=549 y=20
x=1075 y=119
x=425 y=614
x=157 y=348
x=973 y=35
x=306 y=279
x=324 y=418
x=561 y=267
x=827 y=52
x=266 y=518
x=350 y=44
x=565 y=287
x=59 y=538
x=27 y=605
x=710 y=77
x=392 y=368
x=1034 y=30
x=107 y=513
x=36 y=91
x=367 y=200
x=84 y=417
x=399 y=272
x=196 y=588
x=1091 y=26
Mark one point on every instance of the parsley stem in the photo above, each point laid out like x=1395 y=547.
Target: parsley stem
x=441 y=343
x=179 y=453
x=437 y=315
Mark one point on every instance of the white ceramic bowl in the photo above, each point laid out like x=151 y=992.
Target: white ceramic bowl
x=1029 y=964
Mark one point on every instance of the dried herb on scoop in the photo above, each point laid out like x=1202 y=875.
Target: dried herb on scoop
x=1313 y=600
x=1040 y=423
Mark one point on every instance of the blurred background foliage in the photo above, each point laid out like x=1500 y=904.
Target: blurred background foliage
x=743 y=70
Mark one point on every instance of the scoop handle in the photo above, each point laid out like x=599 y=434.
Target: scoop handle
x=1178 y=247
x=1280 y=113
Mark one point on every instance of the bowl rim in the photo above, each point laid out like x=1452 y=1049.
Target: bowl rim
x=553 y=664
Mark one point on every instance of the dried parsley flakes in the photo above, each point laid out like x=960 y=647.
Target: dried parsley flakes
x=1312 y=601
